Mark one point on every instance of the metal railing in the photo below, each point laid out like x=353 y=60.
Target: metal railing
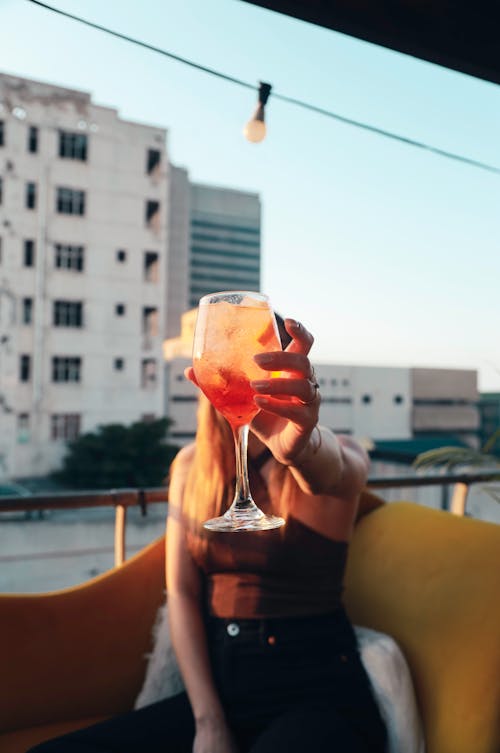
x=122 y=499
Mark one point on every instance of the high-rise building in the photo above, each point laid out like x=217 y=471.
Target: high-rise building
x=214 y=243
x=224 y=241
x=83 y=273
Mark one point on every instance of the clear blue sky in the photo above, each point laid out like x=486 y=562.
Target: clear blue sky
x=388 y=254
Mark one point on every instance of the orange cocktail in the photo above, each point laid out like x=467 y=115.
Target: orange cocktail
x=231 y=328
x=223 y=355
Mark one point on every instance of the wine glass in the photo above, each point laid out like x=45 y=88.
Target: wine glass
x=231 y=327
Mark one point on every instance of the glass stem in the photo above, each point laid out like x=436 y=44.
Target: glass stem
x=242 y=497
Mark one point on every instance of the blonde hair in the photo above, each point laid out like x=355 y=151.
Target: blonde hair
x=210 y=481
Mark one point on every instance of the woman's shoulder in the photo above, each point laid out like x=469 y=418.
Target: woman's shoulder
x=183 y=460
x=186 y=453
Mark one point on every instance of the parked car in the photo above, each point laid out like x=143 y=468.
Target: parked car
x=12 y=489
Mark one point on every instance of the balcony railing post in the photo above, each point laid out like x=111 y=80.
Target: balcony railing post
x=459 y=498
x=120 y=521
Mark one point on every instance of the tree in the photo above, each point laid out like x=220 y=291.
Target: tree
x=117 y=456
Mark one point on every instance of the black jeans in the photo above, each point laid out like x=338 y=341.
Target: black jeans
x=287 y=685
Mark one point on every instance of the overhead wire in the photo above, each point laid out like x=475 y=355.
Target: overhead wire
x=275 y=95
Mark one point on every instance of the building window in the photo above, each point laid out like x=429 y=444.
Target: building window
x=70 y=201
x=27 y=313
x=68 y=256
x=152 y=213
x=2 y=133
x=398 y=399
x=33 y=139
x=73 y=145
x=23 y=428
x=118 y=364
x=366 y=399
x=345 y=383
x=151 y=266
x=148 y=373
x=68 y=314
x=66 y=368
x=30 y=195
x=65 y=426
x=24 y=368
x=29 y=253
x=121 y=256
x=120 y=309
x=152 y=160
x=150 y=321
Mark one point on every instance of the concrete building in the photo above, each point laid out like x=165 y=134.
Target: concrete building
x=214 y=243
x=83 y=273
x=445 y=401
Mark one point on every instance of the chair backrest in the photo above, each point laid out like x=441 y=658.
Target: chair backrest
x=431 y=580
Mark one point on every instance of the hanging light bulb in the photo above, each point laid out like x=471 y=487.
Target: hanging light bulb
x=255 y=129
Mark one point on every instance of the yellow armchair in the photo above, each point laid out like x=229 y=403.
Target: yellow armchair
x=72 y=657
x=432 y=580
x=426 y=577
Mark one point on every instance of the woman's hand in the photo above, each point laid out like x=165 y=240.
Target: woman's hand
x=290 y=403
x=213 y=736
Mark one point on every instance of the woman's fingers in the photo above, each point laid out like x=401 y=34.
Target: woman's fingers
x=285 y=360
x=295 y=388
x=294 y=359
x=291 y=410
x=302 y=391
x=302 y=340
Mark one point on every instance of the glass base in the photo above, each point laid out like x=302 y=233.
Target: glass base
x=244 y=520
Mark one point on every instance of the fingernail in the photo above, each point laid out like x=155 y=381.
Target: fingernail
x=260 y=385
x=263 y=357
x=261 y=400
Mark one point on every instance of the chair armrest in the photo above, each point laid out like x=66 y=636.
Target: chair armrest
x=430 y=579
x=79 y=652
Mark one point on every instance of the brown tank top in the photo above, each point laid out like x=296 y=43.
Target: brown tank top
x=288 y=571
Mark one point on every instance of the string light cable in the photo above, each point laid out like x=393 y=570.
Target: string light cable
x=264 y=90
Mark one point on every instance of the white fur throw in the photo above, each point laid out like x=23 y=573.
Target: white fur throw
x=381 y=656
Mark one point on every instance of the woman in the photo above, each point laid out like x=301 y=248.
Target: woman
x=268 y=656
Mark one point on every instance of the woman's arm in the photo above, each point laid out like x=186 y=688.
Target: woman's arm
x=331 y=464
x=187 y=628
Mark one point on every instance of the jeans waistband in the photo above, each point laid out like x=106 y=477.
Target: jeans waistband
x=333 y=623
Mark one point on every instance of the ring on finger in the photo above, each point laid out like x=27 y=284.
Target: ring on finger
x=315 y=387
